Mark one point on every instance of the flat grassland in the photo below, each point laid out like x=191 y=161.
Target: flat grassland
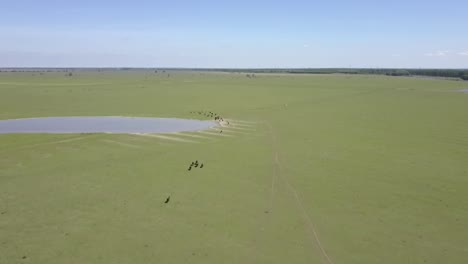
x=313 y=169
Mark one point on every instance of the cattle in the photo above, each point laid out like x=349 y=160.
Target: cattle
x=167 y=199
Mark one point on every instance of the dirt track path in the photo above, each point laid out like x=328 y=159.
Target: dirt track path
x=299 y=202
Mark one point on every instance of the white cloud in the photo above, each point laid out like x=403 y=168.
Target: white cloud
x=463 y=53
x=306 y=45
x=439 y=53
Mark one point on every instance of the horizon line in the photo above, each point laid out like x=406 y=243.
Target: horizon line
x=235 y=68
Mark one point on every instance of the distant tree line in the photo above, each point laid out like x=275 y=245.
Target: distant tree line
x=445 y=73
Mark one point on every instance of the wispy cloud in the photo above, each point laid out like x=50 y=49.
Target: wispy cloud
x=463 y=53
x=439 y=53
x=396 y=55
x=306 y=45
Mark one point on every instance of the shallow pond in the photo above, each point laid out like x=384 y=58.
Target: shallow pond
x=102 y=124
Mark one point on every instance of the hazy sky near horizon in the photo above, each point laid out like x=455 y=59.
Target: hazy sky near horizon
x=234 y=34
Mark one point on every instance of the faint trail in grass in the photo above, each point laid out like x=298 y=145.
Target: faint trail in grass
x=235 y=124
x=166 y=137
x=144 y=140
x=296 y=195
x=242 y=121
x=237 y=132
x=121 y=143
x=192 y=135
x=272 y=189
x=215 y=133
x=240 y=128
x=51 y=142
x=53 y=84
x=236 y=128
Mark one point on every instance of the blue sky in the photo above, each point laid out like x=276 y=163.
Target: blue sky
x=234 y=34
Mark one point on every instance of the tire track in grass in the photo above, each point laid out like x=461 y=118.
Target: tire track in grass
x=294 y=192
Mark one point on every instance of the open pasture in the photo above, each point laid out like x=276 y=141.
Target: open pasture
x=311 y=169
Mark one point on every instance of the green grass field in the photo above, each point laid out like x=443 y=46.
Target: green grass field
x=314 y=169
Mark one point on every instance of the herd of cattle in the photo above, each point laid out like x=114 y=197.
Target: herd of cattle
x=195 y=164
x=208 y=114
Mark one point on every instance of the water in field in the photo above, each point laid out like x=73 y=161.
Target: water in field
x=464 y=90
x=102 y=124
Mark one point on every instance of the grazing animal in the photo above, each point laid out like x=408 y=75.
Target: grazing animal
x=167 y=199
x=220 y=131
x=190 y=168
x=201 y=166
x=196 y=165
